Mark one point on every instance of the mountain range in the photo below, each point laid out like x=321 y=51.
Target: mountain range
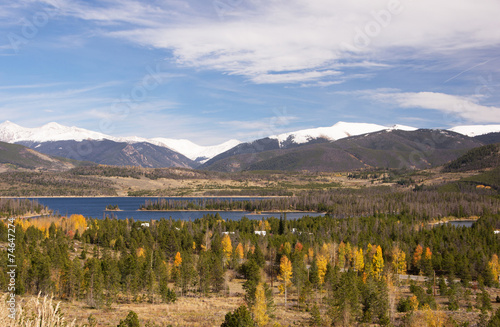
x=343 y=146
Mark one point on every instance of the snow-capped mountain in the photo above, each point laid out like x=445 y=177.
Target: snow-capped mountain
x=51 y=132
x=192 y=150
x=39 y=137
x=475 y=130
x=12 y=133
x=338 y=131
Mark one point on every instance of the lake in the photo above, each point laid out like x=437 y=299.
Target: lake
x=95 y=208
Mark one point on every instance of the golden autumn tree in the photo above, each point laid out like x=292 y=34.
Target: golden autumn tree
x=321 y=262
x=399 y=261
x=494 y=267
x=359 y=260
x=285 y=274
x=342 y=252
x=177 y=260
x=378 y=263
x=78 y=223
x=427 y=254
x=310 y=254
x=239 y=252
x=227 y=247
x=298 y=247
x=417 y=255
x=259 y=309
x=140 y=252
x=348 y=254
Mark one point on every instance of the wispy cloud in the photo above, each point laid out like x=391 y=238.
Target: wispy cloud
x=305 y=37
x=467 y=108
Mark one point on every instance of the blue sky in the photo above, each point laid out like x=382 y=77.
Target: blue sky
x=210 y=70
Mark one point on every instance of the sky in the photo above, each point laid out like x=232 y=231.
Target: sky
x=214 y=70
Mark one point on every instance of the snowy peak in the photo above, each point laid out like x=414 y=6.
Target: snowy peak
x=13 y=133
x=194 y=151
x=475 y=130
x=338 y=131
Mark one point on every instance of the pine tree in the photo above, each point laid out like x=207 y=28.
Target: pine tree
x=241 y=317
x=315 y=319
x=132 y=320
x=345 y=304
x=93 y=281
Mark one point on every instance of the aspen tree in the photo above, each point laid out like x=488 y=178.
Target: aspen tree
x=285 y=274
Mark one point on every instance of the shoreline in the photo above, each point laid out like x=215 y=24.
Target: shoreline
x=145 y=196
x=249 y=212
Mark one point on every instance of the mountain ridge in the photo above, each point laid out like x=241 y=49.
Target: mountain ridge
x=73 y=142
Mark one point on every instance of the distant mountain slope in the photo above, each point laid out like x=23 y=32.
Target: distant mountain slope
x=17 y=156
x=115 y=153
x=489 y=138
x=385 y=149
x=487 y=156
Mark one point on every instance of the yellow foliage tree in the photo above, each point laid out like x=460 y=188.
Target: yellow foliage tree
x=285 y=273
x=177 y=260
x=414 y=303
x=227 y=248
x=259 y=309
x=310 y=253
x=359 y=260
x=494 y=267
x=78 y=223
x=348 y=254
x=399 y=261
x=427 y=254
x=239 y=251
x=286 y=248
x=342 y=252
x=321 y=262
x=140 y=252
x=378 y=263
x=417 y=256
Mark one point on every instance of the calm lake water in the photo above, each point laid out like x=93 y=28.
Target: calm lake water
x=95 y=208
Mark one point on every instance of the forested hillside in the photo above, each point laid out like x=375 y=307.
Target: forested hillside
x=346 y=271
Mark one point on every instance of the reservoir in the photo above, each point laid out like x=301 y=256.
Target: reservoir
x=95 y=207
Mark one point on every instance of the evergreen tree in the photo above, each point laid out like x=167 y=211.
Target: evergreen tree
x=241 y=317
x=132 y=320
x=315 y=320
x=345 y=304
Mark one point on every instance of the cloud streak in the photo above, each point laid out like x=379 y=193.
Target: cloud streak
x=467 y=108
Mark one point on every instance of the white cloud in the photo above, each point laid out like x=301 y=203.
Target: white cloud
x=467 y=108
x=263 y=38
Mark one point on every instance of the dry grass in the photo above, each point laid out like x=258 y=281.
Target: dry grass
x=186 y=311
x=36 y=311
